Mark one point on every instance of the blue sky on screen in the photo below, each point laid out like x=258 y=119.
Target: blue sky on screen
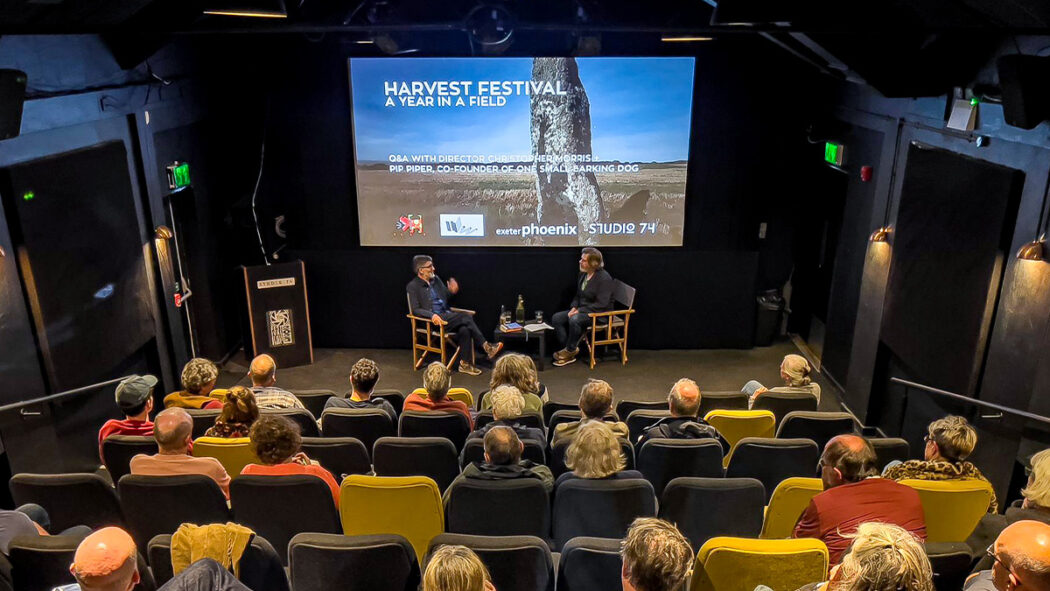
x=640 y=108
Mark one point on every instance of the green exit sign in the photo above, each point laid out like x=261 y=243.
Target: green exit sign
x=178 y=175
x=28 y=196
x=834 y=153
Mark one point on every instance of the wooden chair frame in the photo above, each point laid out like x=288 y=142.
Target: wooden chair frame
x=435 y=339
x=610 y=333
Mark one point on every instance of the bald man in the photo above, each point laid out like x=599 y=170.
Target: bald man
x=503 y=461
x=684 y=423
x=855 y=494
x=173 y=430
x=1020 y=558
x=263 y=373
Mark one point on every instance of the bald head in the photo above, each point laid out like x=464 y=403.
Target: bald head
x=106 y=561
x=502 y=446
x=850 y=457
x=263 y=371
x=1024 y=549
x=173 y=429
x=684 y=399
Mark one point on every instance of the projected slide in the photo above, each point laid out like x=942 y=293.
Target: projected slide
x=521 y=151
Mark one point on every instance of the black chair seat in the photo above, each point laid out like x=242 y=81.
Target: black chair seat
x=624 y=408
x=434 y=457
x=888 y=449
x=453 y=426
x=203 y=419
x=590 y=564
x=773 y=460
x=704 y=508
x=570 y=416
x=41 y=563
x=480 y=507
x=384 y=562
x=117 y=451
x=722 y=401
x=396 y=398
x=638 y=421
x=278 y=507
x=782 y=403
x=662 y=460
x=557 y=457
x=69 y=499
x=818 y=426
x=599 y=508
x=550 y=407
x=338 y=455
x=157 y=505
x=527 y=419
x=364 y=424
x=304 y=418
x=260 y=570
x=951 y=562
x=516 y=563
x=313 y=400
x=474 y=451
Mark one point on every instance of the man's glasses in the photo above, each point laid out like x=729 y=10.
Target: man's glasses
x=991 y=552
x=428 y=266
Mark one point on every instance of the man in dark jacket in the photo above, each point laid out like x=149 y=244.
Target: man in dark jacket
x=684 y=404
x=594 y=293
x=428 y=297
x=503 y=462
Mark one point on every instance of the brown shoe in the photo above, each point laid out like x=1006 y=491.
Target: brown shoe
x=468 y=369
x=566 y=361
x=492 y=349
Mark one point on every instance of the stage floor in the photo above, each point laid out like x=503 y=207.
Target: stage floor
x=648 y=375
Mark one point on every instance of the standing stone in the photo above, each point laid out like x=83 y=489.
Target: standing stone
x=561 y=126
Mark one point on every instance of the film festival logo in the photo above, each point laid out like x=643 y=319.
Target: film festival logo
x=279 y=323
x=410 y=224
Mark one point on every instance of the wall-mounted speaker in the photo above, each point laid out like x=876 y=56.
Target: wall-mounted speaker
x=1025 y=84
x=12 y=95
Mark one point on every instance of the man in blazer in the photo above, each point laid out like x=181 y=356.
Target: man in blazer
x=594 y=293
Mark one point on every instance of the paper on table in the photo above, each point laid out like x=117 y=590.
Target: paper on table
x=540 y=326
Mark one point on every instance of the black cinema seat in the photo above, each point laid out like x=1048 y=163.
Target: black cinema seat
x=516 y=563
x=203 y=419
x=527 y=419
x=557 y=457
x=41 y=563
x=383 y=562
x=599 y=508
x=302 y=417
x=364 y=424
x=156 y=505
x=703 y=508
x=590 y=564
x=518 y=507
x=313 y=400
x=781 y=403
x=434 y=457
x=474 y=451
x=624 y=408
x=453 y=426
x=278 y=507
x=69 y=499
x=773 y=460
x=338 y=455
x=260 y=569
x=551 y=407
x=662 y=460
x=640 y=420
x=888 y=449
x=818 y=426
x=722 y=401
x=117 y=451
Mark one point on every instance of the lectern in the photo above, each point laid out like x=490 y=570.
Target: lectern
x=278 y=313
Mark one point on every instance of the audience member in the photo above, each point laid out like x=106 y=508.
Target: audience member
x=198 y=386
x=503 y=462
x=1020 y=559
x=363 y=378
x=456 y=568
x=437 y=379
x=515 y=369
x=135 y=398
x=1034 y=505
x=173 y=431
x=795 y=370
x=949 y=441
x=276 y=442
x=684 y=403
x=239 y=413
x=596 y=400
x=107 y=560
x=883 y=557
x=656 y=556
x=853 y=494
x=596 y=453
x=30 y=520
x=507 y=405
x=263 y=373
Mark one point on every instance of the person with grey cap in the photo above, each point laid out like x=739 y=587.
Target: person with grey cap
x=134 y=396
x=428 y=297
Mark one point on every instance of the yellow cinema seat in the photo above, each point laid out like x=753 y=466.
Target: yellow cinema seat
x=233 y=453
x=735 y=425
x=409 y=506
x=461 y=394
x=952 y=507
x=741 y=564
x=789 y=500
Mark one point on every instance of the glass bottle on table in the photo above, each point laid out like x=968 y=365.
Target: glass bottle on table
x=519 y=312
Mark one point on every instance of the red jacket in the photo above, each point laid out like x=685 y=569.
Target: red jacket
x=417 y=402
x=124 y=427
x=838 y=511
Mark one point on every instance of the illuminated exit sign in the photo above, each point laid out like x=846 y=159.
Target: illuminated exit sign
x=834 y=153
x=178 y=175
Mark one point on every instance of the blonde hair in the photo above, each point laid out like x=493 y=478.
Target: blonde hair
x=595 y=451
x=954 y=436
x=1038 y=490
x=797 y=370
x=198 y=373
x=884 y=557
x=507 y=402
x=436 y=380
x=657 y=556
x=516 y=370
x=455 y=568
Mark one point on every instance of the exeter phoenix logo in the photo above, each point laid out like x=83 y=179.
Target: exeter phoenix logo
x=410 y=224
x=463 y=225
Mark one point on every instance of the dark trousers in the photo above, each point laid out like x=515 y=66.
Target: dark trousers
x=204 y=575
x=569 y=330
x=468 y=335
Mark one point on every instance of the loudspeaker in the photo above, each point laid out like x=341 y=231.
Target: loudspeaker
x=12 y=95
x=1025 y=83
